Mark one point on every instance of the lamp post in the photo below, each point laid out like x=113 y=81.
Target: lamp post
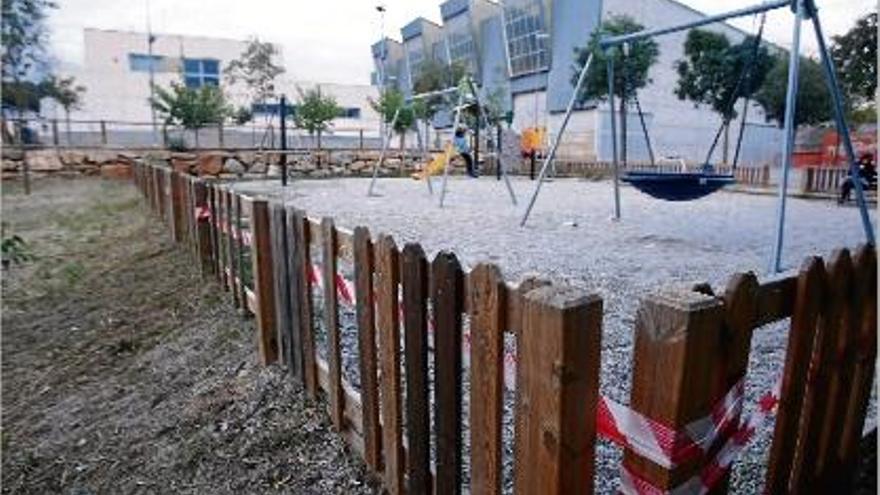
x=383 y=51
x=539 y=39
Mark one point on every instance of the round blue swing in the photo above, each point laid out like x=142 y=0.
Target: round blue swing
x=671 y=186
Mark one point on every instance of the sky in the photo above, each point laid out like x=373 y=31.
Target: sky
x=329 y=40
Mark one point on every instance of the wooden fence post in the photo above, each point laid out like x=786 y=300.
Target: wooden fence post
x=677 y=343
x=331 y=323
x=282 y=277
x=805 y=317
x=487 y=305
x=841 y=363
x=264 y=287
x=303 y=267
x=176 y=207
x=203 y=227
x=365 y=305
x=447 y=294
x=415 y=307
x=558 y=383
x=865 y=320
x=388 y=323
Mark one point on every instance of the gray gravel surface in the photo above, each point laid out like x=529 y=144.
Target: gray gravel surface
x=570 y=238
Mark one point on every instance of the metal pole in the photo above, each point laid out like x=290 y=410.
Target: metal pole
x=549 y=158
x=455 y=123
x=482 y=113
x=650 y=33
x=385 y=142
x=842 y=126
x=788 y=138
x=614 y=161
x=282 y=159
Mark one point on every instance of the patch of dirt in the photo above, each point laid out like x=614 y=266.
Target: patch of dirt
x=124 y=371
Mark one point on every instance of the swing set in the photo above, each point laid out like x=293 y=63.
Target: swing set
x=468 y=96
x=687 y=186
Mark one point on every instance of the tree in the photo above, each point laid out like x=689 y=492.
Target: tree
x=191 y=108
x=813 y=100
x=855 y=56
x=256 y=69
x=315 y=111
x=712 y=73
x=392 y=102
x=630 y=71
x=23 y=39
x=67 y=93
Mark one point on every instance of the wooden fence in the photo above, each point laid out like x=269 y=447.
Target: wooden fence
x=691 y=355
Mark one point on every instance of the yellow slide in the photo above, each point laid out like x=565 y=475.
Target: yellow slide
x=435 y=166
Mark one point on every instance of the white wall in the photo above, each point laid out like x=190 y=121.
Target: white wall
x=678 y=127
x=117 y=93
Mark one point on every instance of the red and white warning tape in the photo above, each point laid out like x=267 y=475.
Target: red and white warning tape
x=737 y=440
x=618 y=423
x=203 y=212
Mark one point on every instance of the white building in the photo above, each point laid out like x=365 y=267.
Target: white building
x=116 y=73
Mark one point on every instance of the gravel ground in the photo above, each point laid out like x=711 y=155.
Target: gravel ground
x=571 y=238
x=124 y=371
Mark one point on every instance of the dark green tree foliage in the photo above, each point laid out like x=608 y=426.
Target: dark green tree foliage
x=391 y=102
x=23 y=39
x=813 y=100
x=435 y=76
x=315 y=111
x=712 y=67
x=642 y=55
x=191 y=108
x=855 y=56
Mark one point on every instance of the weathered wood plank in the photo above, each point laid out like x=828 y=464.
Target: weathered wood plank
x=363 y=275
x=865 y=320
x=487 y=305
x=840 y=366
x=813 y=381
x=281 y=277
x=677 y=341
x=304 y=294
x=387 y=281
x=414 y=276
x=203 y=228
x=295 y=276
x=559 y=382
x=447 y=296
x=331 y=320
x=740 y=314
x=264 y=285
x=775 y=300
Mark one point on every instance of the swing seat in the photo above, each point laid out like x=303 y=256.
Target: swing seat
x=677 y=186
x=435 y=166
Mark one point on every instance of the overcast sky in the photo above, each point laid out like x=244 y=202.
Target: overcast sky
x=328 y=40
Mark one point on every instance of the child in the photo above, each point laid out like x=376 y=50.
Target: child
x=461 y=145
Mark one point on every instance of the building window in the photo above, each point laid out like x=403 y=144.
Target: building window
x=271 y=109
x=416 y=59
x=139 y=62
x=526 y=39
x=461 y=50
x=199 y=72
x=350 y=113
